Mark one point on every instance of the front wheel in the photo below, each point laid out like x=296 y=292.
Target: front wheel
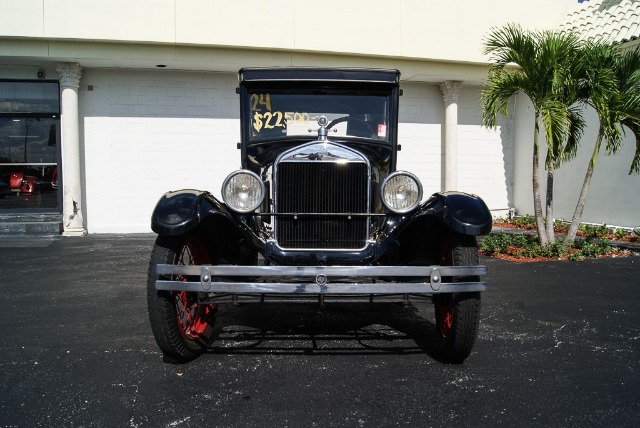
x=458 y=315
x=181 y=325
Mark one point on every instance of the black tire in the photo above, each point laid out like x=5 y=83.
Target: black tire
x=182 y=328
x=458 y=315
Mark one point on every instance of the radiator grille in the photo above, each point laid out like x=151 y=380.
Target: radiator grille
x=321 y=187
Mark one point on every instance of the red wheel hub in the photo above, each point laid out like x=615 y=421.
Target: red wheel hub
x=445 y=316
x=445 y=306
x=193 y=318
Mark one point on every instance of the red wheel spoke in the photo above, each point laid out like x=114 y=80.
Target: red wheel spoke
x=193 y=318
x=445 y=316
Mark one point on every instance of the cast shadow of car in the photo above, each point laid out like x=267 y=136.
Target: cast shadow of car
x=339 y=328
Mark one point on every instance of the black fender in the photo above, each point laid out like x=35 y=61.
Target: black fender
x=461 y=212
x=181 y=211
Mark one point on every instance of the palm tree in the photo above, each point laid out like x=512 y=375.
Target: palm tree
x=612 y=88
x=543 y=66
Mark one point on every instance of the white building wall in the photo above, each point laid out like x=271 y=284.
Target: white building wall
x=148 y=132
x=522 y=109
x=451 y=30
x=420 y=134
x=613 y=198
x=485 y=157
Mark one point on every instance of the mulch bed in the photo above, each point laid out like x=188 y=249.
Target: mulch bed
x=614 y=254
x=512 y=255
x=627 y=238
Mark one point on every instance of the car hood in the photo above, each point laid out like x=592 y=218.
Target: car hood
x=260 y=156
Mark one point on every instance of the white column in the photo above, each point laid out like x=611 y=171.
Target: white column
x=72 y=221
x=450 y=90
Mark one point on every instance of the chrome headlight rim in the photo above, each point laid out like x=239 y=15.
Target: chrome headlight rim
x=253 y=207
x=384 y=199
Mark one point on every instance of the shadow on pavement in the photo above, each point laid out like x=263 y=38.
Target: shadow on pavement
x=339 y=329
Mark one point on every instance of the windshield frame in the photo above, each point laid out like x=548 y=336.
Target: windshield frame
x=334 y=81
x=268 y=113
x=258 y=154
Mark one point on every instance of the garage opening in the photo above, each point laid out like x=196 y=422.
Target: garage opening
x=30 y=176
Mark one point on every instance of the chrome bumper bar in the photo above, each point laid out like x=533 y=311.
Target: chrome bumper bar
x=322 y=280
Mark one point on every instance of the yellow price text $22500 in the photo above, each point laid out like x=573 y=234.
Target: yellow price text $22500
x=278 y=119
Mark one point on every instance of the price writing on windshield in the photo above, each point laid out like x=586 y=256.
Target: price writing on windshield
x=260 y=100
x=265 y=118
x=278 y=119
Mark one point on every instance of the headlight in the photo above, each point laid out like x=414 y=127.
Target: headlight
x=243 y=191
x=401 y=192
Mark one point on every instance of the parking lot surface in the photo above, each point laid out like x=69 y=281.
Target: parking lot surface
x=559 y=345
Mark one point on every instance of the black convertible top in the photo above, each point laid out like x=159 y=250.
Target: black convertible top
x=310 y=74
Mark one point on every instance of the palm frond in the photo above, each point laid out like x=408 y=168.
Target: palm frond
x=549 y=70
x=502 y=85
x=627 y=68
x=575 y=131
x=509 y=44
x=555 y=118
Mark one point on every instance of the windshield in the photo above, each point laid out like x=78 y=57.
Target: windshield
x=278 y=114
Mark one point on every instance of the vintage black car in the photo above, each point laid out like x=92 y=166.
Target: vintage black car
x=318 y=211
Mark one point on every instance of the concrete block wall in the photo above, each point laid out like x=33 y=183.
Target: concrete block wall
x=420 y=134
x=149 y=132
x=485 y=156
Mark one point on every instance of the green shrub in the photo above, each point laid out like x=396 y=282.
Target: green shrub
x=576 y=257
x=553 y=251
x=560 y=226
x=591 y=248
x=594 y=231
x=524 y=245
x=619 y=234
x=594 y=248
x=520 y=245
x=526 y=221
x=495 y=244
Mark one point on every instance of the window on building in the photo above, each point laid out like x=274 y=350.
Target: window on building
x=29 y=146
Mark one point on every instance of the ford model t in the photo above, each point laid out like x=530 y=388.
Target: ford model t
x=317 y=212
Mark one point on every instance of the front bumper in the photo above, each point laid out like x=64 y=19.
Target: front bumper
x=320 y=280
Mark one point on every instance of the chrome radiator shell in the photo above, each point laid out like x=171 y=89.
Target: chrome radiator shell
x=321 y=191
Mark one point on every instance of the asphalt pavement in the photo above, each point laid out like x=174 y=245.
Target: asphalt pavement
x=559 y=345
